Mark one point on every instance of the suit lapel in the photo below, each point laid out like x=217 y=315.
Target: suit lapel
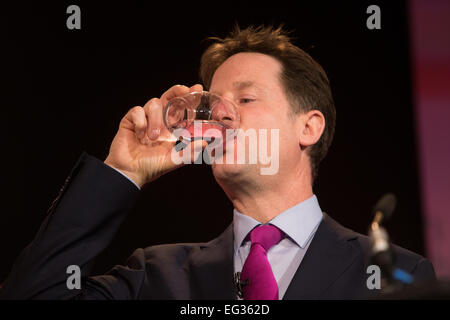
x=328 y=256
x=212 y=269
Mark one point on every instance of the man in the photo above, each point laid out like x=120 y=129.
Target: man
x=280 y=241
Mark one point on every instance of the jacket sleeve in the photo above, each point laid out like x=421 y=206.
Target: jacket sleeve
x=79 y=225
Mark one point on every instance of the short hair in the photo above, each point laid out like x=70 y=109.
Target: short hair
x=304 y=81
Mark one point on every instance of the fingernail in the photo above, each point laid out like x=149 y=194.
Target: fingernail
x=154 y=133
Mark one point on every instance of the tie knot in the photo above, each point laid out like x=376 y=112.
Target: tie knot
x=266 y=235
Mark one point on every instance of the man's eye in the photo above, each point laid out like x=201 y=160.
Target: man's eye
x=246 y=100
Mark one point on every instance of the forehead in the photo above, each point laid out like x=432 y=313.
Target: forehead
x=246 y=69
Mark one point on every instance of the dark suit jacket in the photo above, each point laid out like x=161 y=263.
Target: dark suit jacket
x=90 y=208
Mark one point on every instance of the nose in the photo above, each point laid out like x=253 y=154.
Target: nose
x=223 y=112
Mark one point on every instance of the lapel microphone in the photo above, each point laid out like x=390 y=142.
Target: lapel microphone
x=239 y=284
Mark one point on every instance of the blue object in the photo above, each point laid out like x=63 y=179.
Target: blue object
x=403 y=276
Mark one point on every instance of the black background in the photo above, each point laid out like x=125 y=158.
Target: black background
x=65 y=91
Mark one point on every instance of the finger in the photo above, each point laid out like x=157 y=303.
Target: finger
x=195 y=148
x=153 y=112
x=175 y=91
x=137 y=117
x=196 y=88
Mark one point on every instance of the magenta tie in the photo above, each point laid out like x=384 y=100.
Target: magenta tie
x=260 y=283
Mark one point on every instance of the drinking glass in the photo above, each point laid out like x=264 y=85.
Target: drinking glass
x=197 y=112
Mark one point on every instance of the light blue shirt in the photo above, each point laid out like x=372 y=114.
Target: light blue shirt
x=299 y=223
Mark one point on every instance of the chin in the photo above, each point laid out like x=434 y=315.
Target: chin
x=232 y=172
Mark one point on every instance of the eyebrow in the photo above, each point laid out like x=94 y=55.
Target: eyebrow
x=243 y=84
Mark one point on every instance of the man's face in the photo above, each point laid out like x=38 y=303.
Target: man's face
x=252 y=81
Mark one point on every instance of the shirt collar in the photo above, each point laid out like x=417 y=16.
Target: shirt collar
x=298 y=222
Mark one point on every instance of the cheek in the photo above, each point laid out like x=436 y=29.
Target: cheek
x=258 y=119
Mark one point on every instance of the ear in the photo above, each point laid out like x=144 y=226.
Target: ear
x=312 y=124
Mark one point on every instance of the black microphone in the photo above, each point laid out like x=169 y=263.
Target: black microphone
x=385 y=207
x=382 y=254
